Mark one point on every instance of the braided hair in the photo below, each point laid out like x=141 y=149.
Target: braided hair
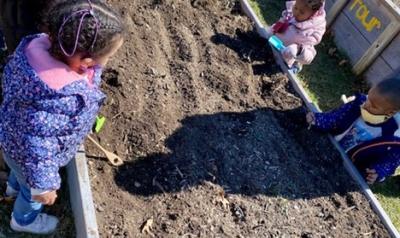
x=315 y=5
x=86 y=27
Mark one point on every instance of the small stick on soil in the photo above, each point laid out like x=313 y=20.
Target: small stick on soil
x=179 y=172
x=116 y=115
x=146 y=227
x=349 y=209
x=158 y=185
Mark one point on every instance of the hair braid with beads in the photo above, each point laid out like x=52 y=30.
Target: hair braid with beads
x=86 y=27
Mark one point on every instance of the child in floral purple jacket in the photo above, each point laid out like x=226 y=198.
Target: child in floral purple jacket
x=51 y=98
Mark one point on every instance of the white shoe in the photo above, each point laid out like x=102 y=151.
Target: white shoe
x=11 y=192
x=43 y=224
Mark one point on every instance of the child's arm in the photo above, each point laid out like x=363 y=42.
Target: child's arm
x=46 y=198
x=40 y=166
x=51 y=120
x=337 y=120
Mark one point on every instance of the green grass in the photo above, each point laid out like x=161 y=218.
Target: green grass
x=388 y=194
x=325 y=81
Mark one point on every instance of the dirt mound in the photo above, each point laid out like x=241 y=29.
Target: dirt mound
x=213 y=136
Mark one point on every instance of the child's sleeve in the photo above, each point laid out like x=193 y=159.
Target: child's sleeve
x=338 y=120
x=387 y=166
x=49 y=120
x=40 y=165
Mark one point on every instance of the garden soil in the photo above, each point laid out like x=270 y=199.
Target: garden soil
x=213 y=136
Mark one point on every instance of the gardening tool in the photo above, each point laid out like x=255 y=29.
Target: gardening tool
x=98 y=125
x=276 y=43
x=113 y=158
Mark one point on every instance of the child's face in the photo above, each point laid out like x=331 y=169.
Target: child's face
x=378 y=104
x=103 y=60
x=301 y=11
x=77 y=63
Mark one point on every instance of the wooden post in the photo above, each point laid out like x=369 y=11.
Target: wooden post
x=335 y=10
x=81 y=198
x=393 y=8
x=377 y=47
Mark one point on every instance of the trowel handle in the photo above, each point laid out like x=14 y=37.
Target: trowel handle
x=276 y=43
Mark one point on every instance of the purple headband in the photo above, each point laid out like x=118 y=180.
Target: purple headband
x=83 y=13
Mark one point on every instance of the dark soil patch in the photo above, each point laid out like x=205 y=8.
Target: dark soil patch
x=213 y=136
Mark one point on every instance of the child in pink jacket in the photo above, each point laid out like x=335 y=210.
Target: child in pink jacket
x=301 y=28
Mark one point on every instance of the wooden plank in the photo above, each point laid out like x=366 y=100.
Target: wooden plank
x=81 y=197
x=369 y=18
x=353 y=45
x=392 y=53
x=335 y=10
x=377 y=47
x=328 y=5
x=377 y=71
x=393 y=8
x=250 y=13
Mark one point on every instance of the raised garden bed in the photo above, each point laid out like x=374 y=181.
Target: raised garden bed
x=325 y=85
x=212 y=136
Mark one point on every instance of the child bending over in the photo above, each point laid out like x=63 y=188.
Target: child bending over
x=301 y=27
x=368 y=130
x=51 y=98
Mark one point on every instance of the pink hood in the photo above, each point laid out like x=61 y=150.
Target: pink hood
x=51 y=71
x=309 y=32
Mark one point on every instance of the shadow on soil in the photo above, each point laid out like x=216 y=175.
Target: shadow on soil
x=257 y=152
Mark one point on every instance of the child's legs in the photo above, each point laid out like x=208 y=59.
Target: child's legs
x=307 y=55
x=12 y=181
x=25 y=209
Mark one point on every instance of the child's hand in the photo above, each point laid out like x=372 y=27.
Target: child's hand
x=310 y=118
x=289 y=54
x=371 y=176
x=48 y=198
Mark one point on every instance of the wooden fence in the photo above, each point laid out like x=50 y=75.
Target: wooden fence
x=368 y=31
